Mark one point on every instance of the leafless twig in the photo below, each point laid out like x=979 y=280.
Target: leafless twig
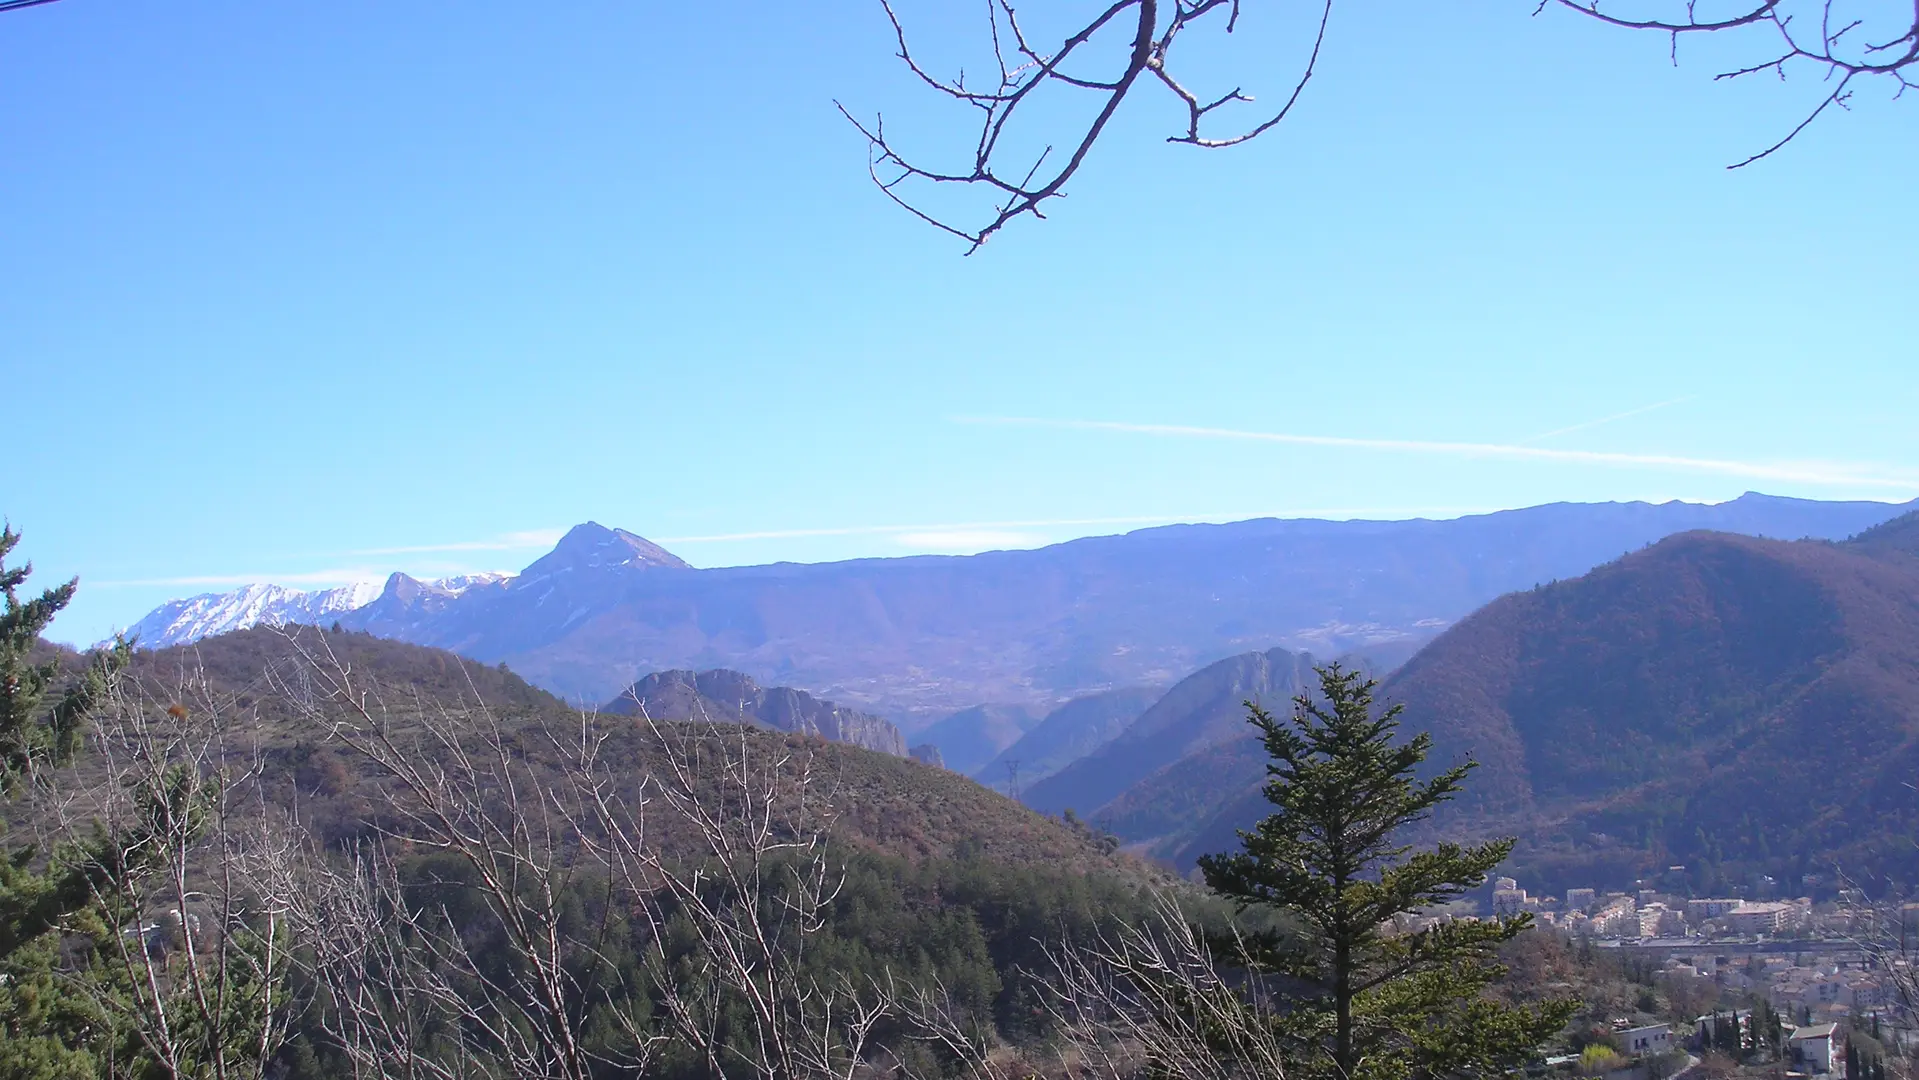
x=1024 y=70
x=710 y=852
x=1831 y=37
x=1150 y=1000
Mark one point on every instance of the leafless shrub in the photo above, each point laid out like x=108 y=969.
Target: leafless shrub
x=712 y=849
x=409 y=996
x=1842 y=40
x=716 y=858
x=1151 y=1000
x=1083 y=62
x=169 y=833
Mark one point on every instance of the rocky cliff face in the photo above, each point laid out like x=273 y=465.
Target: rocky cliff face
x=732 y=697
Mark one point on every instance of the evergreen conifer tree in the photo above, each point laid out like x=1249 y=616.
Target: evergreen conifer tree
x=45 y=1026
x=1389 y=1004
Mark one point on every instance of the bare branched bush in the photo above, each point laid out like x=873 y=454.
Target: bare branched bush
x=627 y=896
x=1151 y=1000
x=410 y=961
x=168 y=835
x=1841 y=41
x=1102 y=59
x=754 y=886
x=708 y=874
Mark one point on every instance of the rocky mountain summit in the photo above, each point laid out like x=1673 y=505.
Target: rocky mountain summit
x=730 y=697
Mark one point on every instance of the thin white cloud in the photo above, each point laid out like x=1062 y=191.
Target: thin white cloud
x=1054 y=523
x=1822 y=474
x=524 y=540
x=1642 y=410
x=886 y=530
x=968 y=539
x=307 y=577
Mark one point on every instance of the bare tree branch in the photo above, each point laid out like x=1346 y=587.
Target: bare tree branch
x=1811 y=34
x=1150 y=1000
x=1023 y=187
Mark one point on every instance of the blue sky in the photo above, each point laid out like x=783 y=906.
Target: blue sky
x=306 y=293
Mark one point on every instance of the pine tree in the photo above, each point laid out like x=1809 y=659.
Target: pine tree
x=45 y=1025
x=1344 y=789
x=34 y=736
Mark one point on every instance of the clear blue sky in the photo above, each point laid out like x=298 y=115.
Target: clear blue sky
x=306 y=293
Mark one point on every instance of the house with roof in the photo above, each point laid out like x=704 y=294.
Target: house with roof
x=1816 y=1046
x=1643 y=1038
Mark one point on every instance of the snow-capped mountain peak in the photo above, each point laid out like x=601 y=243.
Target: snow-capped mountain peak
x=179 y=622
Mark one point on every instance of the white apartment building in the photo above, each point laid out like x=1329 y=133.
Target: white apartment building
x=1758 y=918
x=1698 y=911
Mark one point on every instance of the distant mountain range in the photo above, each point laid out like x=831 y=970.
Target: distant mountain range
x=1734 y=705
x=919 y=638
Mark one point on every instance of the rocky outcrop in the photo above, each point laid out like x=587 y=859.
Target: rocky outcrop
x=731 y=697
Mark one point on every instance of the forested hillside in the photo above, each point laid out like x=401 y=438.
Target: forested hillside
x=406 y=778
x=1731 y=704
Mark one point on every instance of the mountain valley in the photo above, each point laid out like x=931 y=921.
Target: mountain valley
x=1729 y=704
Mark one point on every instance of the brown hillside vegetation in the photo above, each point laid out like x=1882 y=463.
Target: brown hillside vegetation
x=890 y=805
x=1732 y=704
x=444 y=839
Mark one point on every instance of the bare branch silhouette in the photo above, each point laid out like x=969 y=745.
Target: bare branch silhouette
x=1830 y=37
x=1023 y=185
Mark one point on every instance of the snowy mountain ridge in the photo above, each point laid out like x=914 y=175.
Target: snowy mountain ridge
x=179 y=622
